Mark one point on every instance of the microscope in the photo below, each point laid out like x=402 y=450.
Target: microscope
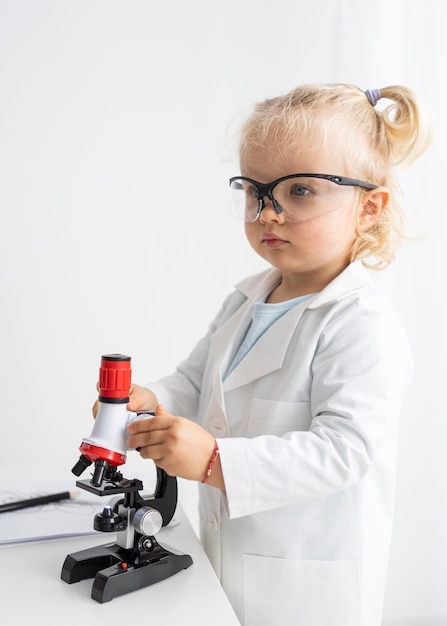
x=136 y=559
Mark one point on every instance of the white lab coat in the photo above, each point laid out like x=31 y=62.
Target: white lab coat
x=307 y=428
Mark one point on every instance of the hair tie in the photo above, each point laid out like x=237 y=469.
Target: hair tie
x=373 y=96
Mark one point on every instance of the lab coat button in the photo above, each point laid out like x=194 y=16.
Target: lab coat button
x=217 y=427
x=213 y=522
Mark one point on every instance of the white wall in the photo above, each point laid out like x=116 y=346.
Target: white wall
x=116 y=234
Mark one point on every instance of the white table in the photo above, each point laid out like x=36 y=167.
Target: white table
x=32 y=592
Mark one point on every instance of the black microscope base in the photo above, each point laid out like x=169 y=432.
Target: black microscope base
x=114 y=576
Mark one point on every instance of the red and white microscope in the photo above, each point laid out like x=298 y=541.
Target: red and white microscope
x=136 y=559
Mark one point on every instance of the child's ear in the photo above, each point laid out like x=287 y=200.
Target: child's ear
x=373 y=203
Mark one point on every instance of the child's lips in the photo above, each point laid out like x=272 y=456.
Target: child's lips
x=272 y=241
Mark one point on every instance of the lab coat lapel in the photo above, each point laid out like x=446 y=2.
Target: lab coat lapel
x=223 y=342
x=227 y=338
x=268 y=353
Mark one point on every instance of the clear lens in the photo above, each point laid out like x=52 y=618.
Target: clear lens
x=244 y=200
x=299 y=198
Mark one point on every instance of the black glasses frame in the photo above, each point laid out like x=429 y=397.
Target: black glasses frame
x=266 y=189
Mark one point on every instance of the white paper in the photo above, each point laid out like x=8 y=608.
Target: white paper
x=58 y=519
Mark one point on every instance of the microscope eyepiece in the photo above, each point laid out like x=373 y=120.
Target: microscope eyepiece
x=114 y=378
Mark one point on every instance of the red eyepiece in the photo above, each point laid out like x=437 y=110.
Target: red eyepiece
x=115 y=378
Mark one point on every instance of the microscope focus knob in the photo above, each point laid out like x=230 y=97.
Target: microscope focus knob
x=147 y=521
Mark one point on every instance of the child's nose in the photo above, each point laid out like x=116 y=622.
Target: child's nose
x=269 y=214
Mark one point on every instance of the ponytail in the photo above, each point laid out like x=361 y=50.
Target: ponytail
x=407 y=124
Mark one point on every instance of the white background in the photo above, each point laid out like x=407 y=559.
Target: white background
x=116 y=126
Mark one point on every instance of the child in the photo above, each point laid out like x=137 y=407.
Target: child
x=291 y=400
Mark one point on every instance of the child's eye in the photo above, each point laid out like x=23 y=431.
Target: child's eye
x=299 y=190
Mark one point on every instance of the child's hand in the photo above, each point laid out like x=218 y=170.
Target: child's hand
x=177 y=445
x=140 y=400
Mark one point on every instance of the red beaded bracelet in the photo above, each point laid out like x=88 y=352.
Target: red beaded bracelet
x=211 y=463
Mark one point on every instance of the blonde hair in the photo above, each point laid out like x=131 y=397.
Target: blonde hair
x=375 y=142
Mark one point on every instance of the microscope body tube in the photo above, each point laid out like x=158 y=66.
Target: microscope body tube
x=107 y=441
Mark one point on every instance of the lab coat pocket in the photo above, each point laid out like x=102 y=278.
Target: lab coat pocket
x=288 y=592
x=269 y=417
